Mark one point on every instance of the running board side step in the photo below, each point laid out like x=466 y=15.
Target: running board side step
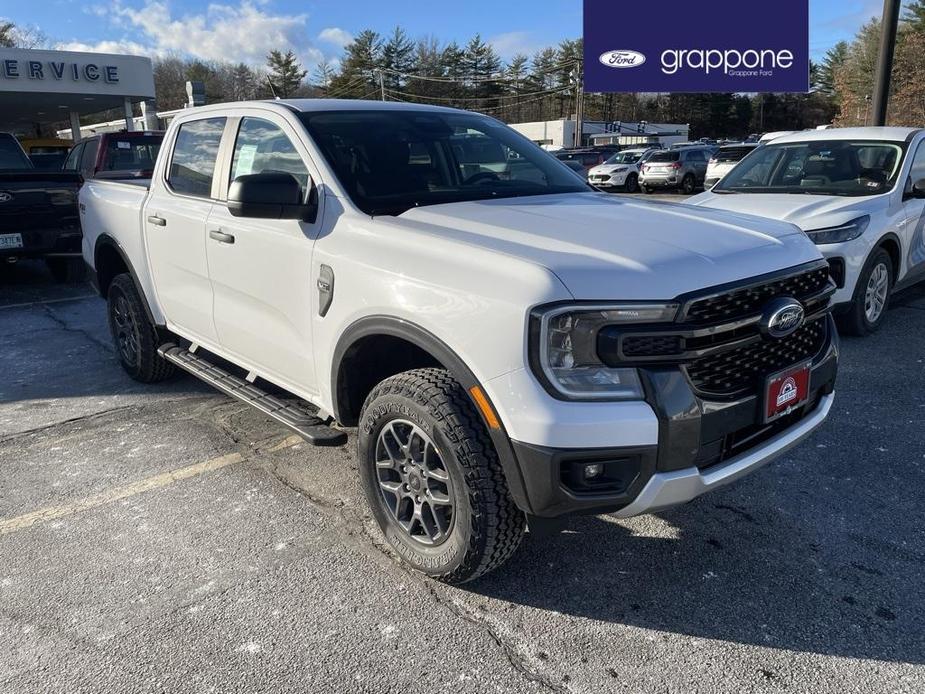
x=291 y=415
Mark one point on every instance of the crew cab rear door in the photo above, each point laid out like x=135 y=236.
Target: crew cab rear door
x=175 y=218
x=914 y=211
x=261 y=269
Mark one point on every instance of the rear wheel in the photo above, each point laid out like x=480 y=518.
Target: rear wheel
x=688 y=184
x=433 y=479
x=134 y=336
x=871 y=296
x=632 y=183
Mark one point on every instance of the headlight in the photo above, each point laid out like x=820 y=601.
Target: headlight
x=564 y=349
x=619 y=170
x=845 y=232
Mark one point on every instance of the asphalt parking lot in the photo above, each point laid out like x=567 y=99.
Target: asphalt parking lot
x=166 y=538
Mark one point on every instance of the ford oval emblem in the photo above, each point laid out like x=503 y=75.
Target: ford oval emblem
x=622 y=59
x=782 y=317
x=5 y=197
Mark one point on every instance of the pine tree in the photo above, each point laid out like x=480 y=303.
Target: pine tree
x=323 y=75
x=914 y=18
x=831 y=63
x=286 y=73
x=7 y=37
x=358 y=76
x=397 y=57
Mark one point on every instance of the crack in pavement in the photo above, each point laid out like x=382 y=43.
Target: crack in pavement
x=357 y=536
x=63 y=324
x=63 y=422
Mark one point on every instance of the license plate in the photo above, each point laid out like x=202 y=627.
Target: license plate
x=8 y=241
x=786 y=391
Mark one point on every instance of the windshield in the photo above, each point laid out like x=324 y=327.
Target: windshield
x=625 y=158
x=11 y=154
x=840 y=167
x=134 y=154
x=391 y=161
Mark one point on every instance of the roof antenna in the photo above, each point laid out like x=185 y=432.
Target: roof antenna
x=272 y=88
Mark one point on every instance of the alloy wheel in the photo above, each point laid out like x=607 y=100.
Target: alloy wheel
x=125 y=330
x=414 y=482
x=878 y=287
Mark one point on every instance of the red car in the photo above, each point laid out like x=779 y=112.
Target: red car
x=116 y=155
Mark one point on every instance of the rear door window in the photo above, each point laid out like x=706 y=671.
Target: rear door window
x=192 y=165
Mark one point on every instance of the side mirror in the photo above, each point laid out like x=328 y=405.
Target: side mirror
x=916 y=190
x=271 y=196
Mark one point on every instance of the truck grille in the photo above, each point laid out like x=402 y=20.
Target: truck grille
x=717 y=341
x=746 y=301
x=743 y=370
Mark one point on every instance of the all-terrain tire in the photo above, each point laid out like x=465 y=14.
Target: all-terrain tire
x=134 y=336
x=487 y=526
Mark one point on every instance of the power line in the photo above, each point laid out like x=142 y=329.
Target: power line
x=469 y=79
x=476 y=98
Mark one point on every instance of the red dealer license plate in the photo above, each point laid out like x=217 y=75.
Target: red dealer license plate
x=786 y=391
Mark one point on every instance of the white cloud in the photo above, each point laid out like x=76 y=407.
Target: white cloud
x=509 y=44
x=245 y=32
x=336 y=36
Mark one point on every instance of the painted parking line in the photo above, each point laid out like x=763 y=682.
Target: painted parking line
x=48 y=301
x=43 y=515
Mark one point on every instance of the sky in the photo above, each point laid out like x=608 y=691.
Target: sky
x=318 y=29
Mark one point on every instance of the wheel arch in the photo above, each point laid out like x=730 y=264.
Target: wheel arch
x=366 y=336
x=110 y=260
x=891 y=244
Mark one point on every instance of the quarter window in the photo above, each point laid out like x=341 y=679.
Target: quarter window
x=192 y=166
x=917 y=172
x=262 y=147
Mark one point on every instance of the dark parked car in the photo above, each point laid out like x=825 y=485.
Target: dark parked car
x=587 y=157
x=116 y=155
x=38 y=212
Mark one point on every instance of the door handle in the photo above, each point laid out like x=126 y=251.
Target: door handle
x=221 y=236
x=157 y=221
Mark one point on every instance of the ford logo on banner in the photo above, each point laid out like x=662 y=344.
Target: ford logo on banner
x=622 y=59
x=711 y=46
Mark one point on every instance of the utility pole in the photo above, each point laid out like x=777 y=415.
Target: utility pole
x=579 y=103
x=888 y=28
x=382 y=85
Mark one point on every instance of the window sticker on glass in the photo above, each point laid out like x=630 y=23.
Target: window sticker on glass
x=245 y=162
x=123 y=145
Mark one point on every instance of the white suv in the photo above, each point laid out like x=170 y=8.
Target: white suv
x=621 y=171
x=509 y=345
x=859 y=194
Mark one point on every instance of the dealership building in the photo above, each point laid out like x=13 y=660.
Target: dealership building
x=40 y=88
x=561 y=133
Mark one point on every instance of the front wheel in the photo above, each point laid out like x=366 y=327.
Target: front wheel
x=871 y=296
x=433 y=479
x=632 y=183
x=134 y=336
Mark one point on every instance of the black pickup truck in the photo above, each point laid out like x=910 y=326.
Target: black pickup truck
x=38 y=213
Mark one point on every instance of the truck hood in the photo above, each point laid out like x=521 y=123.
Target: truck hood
x=806 y=211
x=602 y=247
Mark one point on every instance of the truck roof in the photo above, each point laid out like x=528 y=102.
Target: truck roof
x=315 y=105
x=869 y=133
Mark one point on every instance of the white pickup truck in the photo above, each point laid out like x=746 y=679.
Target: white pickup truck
x=511 y=345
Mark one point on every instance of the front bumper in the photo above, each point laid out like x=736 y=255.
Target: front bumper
x=701 y=445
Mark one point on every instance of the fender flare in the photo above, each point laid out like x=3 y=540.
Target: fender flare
x=107 y=241
x=439 y=350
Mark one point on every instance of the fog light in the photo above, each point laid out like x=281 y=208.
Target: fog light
x=593 y=471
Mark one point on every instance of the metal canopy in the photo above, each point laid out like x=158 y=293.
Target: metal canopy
x=44 y=87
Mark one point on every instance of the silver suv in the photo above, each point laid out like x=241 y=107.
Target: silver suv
x=681 y=169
